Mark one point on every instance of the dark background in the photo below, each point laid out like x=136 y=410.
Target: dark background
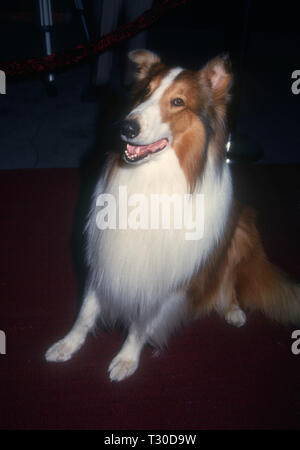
x=39 y=131
x=212 y=375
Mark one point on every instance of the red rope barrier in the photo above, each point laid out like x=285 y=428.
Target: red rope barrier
x=81 y=53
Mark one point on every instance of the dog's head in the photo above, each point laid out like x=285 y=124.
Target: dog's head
x=174 y=107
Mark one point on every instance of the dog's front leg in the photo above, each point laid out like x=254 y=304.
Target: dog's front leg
x=171 y=315
x=127 y=360
x=65 y=348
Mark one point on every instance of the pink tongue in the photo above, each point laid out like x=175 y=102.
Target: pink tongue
x=132 y=149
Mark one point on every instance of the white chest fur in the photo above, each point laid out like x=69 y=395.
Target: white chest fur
x=140 y=267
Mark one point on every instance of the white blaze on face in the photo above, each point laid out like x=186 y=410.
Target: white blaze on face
x=149 y=115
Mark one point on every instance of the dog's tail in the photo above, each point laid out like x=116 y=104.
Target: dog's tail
x=262 y=286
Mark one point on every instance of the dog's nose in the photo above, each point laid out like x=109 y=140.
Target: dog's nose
x=130 y=128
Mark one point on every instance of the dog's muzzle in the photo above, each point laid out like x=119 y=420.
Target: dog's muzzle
x=130 y=129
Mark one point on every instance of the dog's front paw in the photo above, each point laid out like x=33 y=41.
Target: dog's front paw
x=61 y=351
x=121 y=368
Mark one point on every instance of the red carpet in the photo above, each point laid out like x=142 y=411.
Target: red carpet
x=211 y=376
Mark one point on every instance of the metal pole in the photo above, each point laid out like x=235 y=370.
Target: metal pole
x=46 y=24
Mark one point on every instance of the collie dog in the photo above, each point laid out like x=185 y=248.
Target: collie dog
x=154 y=277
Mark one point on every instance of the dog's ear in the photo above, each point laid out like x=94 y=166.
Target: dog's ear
x=218 y=77
x=143 y=59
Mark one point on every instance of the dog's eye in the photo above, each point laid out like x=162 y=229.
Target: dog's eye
x=177 y=102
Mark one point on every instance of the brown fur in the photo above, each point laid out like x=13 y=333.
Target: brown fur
x=237 y=273
x=188 y=131
x=201 y=119
x=259 y=284
x=203 y=290
x=144 y=60
x=241 y=274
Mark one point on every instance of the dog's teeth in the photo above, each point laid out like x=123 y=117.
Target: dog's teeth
x=138 y=150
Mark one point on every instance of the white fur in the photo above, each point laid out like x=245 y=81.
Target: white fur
x=136 y=269
x=137 y=275
x=64 y=349
x=126 y=361
x=171 y=314
x=149 y=115
x=235 y=316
